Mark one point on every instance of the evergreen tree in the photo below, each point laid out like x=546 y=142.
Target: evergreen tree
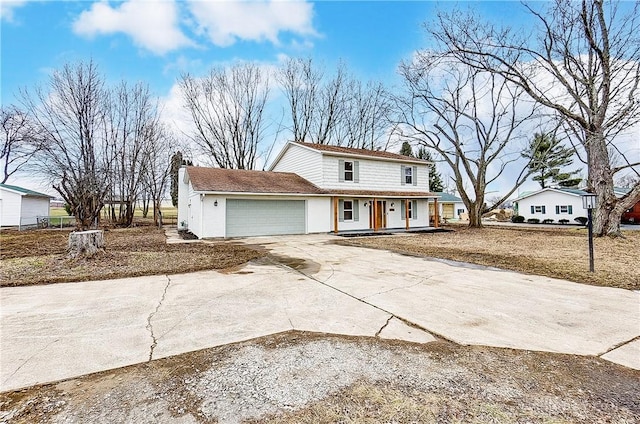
x=548 y=156
x=435 y=179
x=176 y=162
x=406 y=149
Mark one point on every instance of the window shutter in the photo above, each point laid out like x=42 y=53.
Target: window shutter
x=414 y=209
x=341 y=210
x=544 y=210
x=557 y=210
x=402 y=174
x=356 y=210
x=533 y=210
x=403 y=214
x=570 y=210
x=341 y=170
x=356 y=171
x=414 y=175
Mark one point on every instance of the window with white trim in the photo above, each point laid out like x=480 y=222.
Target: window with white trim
x=348 y=170
x=347 y=213
x=408 y=175
x=538 y=209
x=562 y=209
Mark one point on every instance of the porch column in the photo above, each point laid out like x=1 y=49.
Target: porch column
x=335 y=215
x=375 y=214
x=436 y=218
x=406 y=213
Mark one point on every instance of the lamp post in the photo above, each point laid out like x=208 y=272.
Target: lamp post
x=589 y=203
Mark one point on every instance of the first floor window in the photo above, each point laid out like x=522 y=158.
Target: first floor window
x=347 y=213
x=538 y=209
x=412 y=209
x=568 y=209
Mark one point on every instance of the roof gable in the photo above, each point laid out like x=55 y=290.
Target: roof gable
x=24 y=191
x=245 y=181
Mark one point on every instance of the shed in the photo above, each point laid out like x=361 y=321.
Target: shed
x=20 y=206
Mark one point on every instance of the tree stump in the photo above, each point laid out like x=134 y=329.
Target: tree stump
x=86 y=243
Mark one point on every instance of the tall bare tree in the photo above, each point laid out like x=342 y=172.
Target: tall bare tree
x=334 y=108
x=470 y=118
x=133 y=125
x=366 y=120
x=227 y=108
x=582 y=60
x=157 y=175
x=20 y=140
x=71 y=113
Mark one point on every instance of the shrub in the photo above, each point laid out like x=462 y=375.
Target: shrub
x=547 y=221
x=582 y=220
x=517 y=218
x=563 y=221
x=533 y=221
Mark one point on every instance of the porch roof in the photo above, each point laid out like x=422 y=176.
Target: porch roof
x=383 y=194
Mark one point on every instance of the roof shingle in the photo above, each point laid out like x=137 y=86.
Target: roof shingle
x=361 y=152
x=244 y=181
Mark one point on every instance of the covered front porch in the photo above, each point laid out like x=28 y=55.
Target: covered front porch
x=363 y=212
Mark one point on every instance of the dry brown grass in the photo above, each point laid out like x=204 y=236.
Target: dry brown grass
x=39 y=256
x=559 y=253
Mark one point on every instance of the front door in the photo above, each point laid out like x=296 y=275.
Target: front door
x=381 y=214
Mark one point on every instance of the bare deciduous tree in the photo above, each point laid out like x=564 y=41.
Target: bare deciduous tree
x=20 y=140
x=227 y=108
x=582 y=62
x=158 y=169
x=132 y=126
x=469 y=118
x=340 y=110
x=72 y=114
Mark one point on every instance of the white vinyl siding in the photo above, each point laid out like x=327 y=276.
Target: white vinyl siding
x=377 y=175
x=302 y=161
x=247 y=217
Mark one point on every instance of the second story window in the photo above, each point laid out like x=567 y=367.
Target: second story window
x=408 y=175
x=348 y=171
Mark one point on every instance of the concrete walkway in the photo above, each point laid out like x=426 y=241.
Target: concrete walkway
x=65 y=330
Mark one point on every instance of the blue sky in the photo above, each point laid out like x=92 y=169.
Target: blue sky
x=154 y=41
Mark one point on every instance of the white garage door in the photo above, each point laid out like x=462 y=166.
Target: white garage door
x=264 y=217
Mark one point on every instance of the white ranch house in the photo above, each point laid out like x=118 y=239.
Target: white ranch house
x=20 y=206
x=551 y=203
x=309 y=188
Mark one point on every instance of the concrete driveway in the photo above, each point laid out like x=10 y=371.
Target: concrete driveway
x=308 y=283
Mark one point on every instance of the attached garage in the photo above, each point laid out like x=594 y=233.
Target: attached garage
x=250 y=217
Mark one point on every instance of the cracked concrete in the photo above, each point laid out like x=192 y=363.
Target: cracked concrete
x=60 y=331
x=149 y=327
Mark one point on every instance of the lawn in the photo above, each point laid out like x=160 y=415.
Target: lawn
x=39 y=256
x=559 y=253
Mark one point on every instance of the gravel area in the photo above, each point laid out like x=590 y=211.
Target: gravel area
x=300 y=377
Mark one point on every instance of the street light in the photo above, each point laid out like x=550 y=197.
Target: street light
x=589 y=203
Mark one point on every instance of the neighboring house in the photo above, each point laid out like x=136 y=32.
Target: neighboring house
x=20 y=206
x=451 y=207
x=551 y=203
x=632 y=215
x=309 y=188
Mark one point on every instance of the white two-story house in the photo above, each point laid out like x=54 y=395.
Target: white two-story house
x=309 y=188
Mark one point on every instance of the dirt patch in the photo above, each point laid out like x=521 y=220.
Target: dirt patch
x=299 y=377
x=39 y=256
x=558 y=253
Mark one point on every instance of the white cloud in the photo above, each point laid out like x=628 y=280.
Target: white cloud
x=152 y=25
x=7 y=7
x=226 y=22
